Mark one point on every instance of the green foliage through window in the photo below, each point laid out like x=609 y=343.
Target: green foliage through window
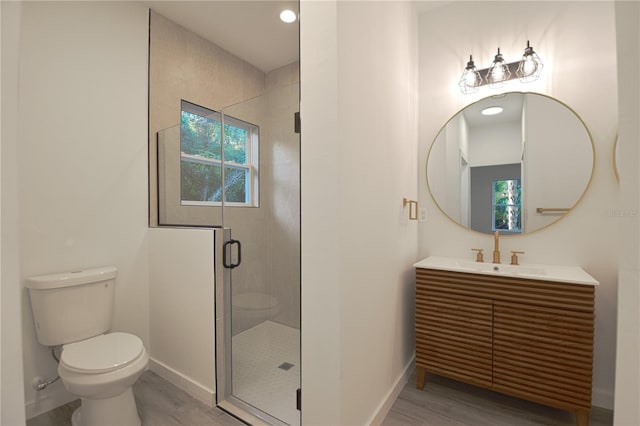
x=202 y=157
x=507 y=206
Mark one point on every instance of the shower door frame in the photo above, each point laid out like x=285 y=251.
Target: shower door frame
x=223 y=343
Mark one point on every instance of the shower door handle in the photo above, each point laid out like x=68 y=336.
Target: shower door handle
x=226 y=247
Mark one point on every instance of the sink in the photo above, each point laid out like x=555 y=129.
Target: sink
x=567 y=274
x=501 y=269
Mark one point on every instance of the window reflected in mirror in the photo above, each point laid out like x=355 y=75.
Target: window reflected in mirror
x=506 y=206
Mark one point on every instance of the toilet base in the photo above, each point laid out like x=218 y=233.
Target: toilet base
x=119 y=410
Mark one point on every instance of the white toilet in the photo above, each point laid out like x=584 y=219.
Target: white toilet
x=250 y=309
x=74 y=309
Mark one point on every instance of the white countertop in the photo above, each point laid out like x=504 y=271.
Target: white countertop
x=566 y=274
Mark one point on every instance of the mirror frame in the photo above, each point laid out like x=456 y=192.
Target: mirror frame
x=509 y=234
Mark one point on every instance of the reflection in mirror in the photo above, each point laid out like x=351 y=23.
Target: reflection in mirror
x=515 y=163
x=616 y=159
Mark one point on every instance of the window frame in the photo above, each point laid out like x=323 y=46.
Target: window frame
x=252 y=157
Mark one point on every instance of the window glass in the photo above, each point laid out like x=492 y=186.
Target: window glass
x=202 y=160
x=507 y=205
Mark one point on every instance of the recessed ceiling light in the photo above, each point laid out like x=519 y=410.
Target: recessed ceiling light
x=288 y=16
x=491 y=110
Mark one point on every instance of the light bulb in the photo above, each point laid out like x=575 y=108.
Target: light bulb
x=288 y=16
x=471 y=78
x=497 y=73
x=529 y=66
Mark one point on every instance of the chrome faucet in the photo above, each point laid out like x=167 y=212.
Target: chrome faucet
x=496 y=247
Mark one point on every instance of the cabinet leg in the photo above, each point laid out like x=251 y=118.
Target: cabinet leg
x=582 y=417
x=420 y=373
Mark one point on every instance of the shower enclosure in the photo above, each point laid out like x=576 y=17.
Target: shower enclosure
x=258 y=289
x=225 y=155
x=238 y=170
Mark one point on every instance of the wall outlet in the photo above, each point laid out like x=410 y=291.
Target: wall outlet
x=422 y=215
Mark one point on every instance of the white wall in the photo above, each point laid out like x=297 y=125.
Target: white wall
x=557 y=173
x=11 y=383
x=358 y=161
x=82 y=159
x=490 y=146
x=587 y=236
x=320 y=180
x=627 y=409
x=181 y=309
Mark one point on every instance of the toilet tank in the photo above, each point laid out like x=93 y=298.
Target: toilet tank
x=72 y=306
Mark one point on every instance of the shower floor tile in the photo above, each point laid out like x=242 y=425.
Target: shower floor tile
x=258 y=377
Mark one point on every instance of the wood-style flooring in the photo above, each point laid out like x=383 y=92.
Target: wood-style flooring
x=159 y=402
x=443 y=402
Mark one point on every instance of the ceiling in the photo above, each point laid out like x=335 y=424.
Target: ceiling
x=512 y=110
x=251 y=30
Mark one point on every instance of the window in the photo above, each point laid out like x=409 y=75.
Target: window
x=206 y=162
x=507 y=206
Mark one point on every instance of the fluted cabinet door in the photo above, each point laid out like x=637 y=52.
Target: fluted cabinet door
x=453 y=332
x=543 y=354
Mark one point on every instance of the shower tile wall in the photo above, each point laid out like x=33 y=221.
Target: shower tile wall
x=283 y=232
x=186 y=66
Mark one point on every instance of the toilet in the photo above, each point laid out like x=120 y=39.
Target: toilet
x=74 y=309
x=250 y=309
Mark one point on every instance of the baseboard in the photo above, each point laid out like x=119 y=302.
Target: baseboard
x=190 y=386
x=392 y=395
x=55 y=396
x=602 y=398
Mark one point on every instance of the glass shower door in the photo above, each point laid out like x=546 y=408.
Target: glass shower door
x=258 y=331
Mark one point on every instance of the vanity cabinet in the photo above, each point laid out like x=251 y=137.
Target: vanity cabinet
x=528 y=338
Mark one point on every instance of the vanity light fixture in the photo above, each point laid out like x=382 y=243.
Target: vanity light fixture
x=527 y=69
x=288 y=16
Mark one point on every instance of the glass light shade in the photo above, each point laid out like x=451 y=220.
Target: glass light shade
x=471 y=79
x=498 y=73
x=530 y=66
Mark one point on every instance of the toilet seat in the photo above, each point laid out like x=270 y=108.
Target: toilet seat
x=101 y=354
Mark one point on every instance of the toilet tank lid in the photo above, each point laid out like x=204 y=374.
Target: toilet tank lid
x=67 y=279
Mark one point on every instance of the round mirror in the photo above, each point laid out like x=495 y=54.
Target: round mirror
x=513 y=163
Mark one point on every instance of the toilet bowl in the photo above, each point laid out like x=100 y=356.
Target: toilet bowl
x=101 y=371
x=74 y=310
x=250 y=309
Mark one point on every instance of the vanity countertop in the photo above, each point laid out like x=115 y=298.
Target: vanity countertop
x=566 y=274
